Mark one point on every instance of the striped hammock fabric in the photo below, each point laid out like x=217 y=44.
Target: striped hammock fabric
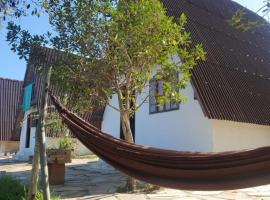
x=173 y=169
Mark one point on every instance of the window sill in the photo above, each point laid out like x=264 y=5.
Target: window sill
x=164 y=111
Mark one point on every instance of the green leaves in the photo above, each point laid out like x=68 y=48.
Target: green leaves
x=10 y=9
x=114 y=47
x=22 y=41
x=240 y=21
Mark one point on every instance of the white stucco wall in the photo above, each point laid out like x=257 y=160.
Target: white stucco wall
x=184 y=129
x=24 y=152
x=111 y=119
x=228 y=135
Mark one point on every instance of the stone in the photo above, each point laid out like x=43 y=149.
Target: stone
x=88 y=179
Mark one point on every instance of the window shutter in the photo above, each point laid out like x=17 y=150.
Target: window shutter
x=27 y=97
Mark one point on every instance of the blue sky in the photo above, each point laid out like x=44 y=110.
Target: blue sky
x=10 y=64
x=12 y=67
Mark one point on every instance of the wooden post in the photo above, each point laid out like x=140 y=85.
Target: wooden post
x=41 y=131
x=40 y=148
x=33 y=186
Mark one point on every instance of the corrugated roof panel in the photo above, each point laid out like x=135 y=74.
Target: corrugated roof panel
x=233 y=83
x=10 y=101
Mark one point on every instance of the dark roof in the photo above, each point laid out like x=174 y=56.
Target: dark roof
x=234 y=82
x=10 y=99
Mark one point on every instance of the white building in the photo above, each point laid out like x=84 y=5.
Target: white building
x=228 y=104
x=31 y=101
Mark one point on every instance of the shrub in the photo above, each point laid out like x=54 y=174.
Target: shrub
x=11 y=189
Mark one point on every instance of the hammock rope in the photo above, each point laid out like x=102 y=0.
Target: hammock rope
x=173 y=169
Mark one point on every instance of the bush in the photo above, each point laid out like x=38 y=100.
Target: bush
x=11 y=189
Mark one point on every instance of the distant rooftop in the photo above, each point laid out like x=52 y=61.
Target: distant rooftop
x=10 y=100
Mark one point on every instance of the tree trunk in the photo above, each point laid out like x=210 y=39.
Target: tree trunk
x=126 y=127
x=125 y=121
x=33 y=186
x=40 y=148
x=41 y=132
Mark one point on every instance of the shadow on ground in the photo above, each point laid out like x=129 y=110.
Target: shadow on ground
x=89 y=178
x=84 y=177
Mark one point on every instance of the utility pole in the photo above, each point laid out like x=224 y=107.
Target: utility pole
x=40 y=146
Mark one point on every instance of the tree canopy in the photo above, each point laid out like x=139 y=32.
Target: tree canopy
x=240 y=20
x=114 y=47
x=16 y=8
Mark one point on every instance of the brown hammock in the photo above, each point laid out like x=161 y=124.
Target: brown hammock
x=173 y=169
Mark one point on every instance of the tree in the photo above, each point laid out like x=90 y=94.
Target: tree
x=113 y=48
x=240 y=21
x=17 y=8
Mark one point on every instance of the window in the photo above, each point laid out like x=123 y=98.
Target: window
x=156 y=89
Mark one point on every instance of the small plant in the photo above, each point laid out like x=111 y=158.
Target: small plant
x=56 y=128
x=147 y=187
x=67 y=143
x=39 y=196
x=140 y=187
